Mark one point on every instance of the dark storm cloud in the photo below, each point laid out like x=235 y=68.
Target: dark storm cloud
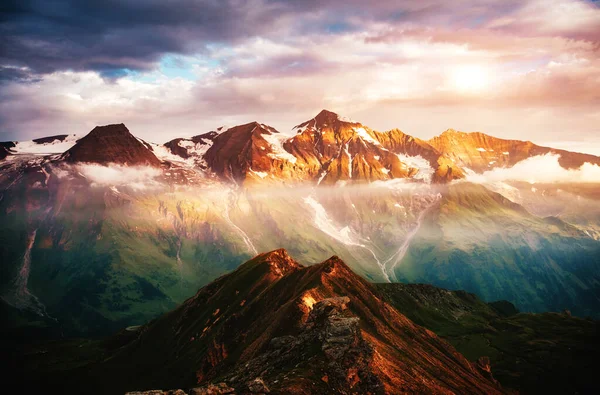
x=115 y=36
x=16 y=74
x=110 y=36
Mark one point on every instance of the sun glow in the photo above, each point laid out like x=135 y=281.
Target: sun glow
x=470 y=78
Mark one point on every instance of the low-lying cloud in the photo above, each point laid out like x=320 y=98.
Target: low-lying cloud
x=135 y=177
x=539 y=169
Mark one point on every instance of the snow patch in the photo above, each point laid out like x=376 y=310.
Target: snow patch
x=186 y=144
x=324 y=223
x=276 y=141
x=345 y=119
x=363 y=134
x=425 y=171
x=481 y=150
x=323 y=174
x=261 y=174
x=54 y=147
x=343 y=235
x=506 y=190
x=165 y=155
x=195 y=151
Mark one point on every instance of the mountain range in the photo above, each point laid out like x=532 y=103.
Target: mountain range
x=107 y=230
x=327 y=149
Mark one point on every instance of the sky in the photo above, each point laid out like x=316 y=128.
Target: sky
x=519 y=69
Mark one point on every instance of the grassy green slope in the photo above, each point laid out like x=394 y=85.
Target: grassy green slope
x=103 y=260
x=533 y=353
x=481 y=242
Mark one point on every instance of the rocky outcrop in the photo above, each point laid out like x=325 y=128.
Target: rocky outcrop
x=213 y=389
x=330 y=339
x=157 y=392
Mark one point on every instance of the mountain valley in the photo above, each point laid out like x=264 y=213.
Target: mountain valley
x=112 y=231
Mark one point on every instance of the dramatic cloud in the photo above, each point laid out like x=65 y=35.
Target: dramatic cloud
x=515 y=69
x=112 y=35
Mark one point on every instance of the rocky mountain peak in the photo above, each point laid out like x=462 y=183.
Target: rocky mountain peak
x=324 y=120
x=335 y=265
x=111 y=144
x=327 y=117
x=279 y=261
x=250 y=151
x=111 y=130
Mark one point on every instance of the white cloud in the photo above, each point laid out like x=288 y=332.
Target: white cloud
x=135 y=177
x=539 y=169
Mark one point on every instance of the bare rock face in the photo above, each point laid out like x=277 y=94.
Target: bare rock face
x=111 y=144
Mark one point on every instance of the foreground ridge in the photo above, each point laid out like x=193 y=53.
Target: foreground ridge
x=275 y=326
